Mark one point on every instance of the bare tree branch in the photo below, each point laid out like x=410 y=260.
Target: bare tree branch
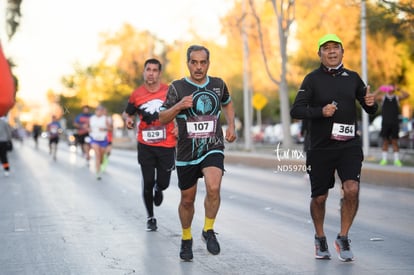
x=261 y=41
x=285 y=15
x=13 y=16
x=405 y=9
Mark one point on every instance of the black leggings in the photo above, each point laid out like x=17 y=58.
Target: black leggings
x=150 y=177
x=157 y=164
x=3 y=155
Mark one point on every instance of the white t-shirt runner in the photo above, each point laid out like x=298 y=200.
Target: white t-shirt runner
x=98 y=125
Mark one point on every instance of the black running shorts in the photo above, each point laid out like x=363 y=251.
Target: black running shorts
x=156 y=156
x=81 y=139
x=390 y=131
x=54 y=140
x=347 y=162
x=188 y=175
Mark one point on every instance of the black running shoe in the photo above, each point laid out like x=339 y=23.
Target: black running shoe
x=209 y=237
x=152 y=224
x=186 y=251
x=158 y=196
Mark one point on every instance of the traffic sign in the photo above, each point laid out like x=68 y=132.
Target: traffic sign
x=259 y=101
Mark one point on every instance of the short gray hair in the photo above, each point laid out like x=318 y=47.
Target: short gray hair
x=194 y=48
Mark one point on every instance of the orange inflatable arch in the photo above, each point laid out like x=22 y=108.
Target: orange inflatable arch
x=7 y=88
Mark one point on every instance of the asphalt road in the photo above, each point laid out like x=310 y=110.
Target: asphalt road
x=56 y=218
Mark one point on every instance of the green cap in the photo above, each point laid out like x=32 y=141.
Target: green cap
x=327 y=38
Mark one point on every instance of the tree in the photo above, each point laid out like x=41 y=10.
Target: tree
x=284 y=11
x=95 y=84
x=112 y=79
x=128 y=49
x=405 y=11
x=389 y=43
x=13 y=15
x=391 y=52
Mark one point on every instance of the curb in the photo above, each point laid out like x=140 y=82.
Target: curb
x=371 y=173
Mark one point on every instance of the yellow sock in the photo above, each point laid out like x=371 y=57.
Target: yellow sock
x=187 y=234
x=208 y=223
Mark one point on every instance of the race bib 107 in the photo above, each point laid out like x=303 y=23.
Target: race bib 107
x=201 y=126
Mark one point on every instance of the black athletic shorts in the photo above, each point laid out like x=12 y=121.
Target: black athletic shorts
x=82 y=139
x=390 y=131
x=188 y=175
x=54 y=140
x=347 y=162
x=156 y=156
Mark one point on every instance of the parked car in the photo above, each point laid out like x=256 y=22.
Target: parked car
x=406 y=135
x=274 y=133
x=296 y=132
x=375 y=139
x=257 y=133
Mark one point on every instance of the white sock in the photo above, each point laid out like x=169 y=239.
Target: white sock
x=384 y=155
x=396 y=156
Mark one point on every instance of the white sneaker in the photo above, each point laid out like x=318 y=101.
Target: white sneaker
x=6 y=173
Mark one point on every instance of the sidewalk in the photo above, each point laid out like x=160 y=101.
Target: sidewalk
x=265 y=156
x=372 y=173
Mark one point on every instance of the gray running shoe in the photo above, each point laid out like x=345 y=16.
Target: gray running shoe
x=151 y=224
x=343 y=247
x=321 y=248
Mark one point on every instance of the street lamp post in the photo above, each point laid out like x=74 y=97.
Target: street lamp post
x=365 y=132
x=247 y=97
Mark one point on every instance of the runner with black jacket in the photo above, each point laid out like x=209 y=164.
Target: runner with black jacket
x=326 y=99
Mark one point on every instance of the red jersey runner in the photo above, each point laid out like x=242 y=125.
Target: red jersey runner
x=150 y=131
